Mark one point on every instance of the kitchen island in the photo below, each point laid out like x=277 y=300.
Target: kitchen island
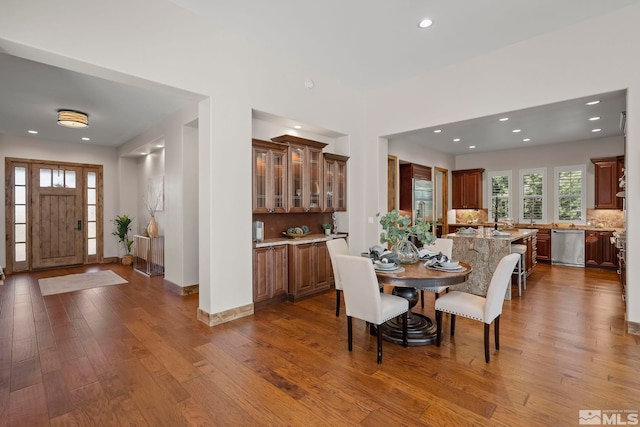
x=483 y=253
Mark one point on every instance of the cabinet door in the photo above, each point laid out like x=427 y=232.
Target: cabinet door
x=323 y=263
x=606 y=184
x=473 y=190
x=543 y=245
x=457 y=195
x=278 y=193
x=302 y=269
x=260 y=274
x=620 y=170
x=297 y=182
x=260 y=184
x=316 y=185
x=269 y=173
x=607 y=250
x=340 y=195
x=591 y=249
x=280 y=267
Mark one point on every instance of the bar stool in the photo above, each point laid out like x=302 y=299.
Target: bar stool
x=522 y=268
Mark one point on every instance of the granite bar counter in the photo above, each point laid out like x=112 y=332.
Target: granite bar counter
x=483 y=252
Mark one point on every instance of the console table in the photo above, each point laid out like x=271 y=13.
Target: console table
x=148 y=255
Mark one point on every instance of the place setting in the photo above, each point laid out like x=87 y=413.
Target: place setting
x=442 y=262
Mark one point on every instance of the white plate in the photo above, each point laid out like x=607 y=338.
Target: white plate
x=450 y=270
x=450 y=264
x=388 y=270
x=385 y=265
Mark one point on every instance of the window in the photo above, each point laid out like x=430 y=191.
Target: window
x=532 y=189
x=499 y=195
x=570 y=192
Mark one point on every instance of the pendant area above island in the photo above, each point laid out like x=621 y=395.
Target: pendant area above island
x=484 y=251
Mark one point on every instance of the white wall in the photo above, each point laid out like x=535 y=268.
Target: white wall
x=39 y=149
x=588 y=58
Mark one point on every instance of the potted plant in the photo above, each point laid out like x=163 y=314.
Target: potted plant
x=123 y=227
x=327 y=229
x=397 y=230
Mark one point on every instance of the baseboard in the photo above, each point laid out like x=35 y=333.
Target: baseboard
x=180 y=290
x=111 y=260
x=633 y=328
x=212 y=319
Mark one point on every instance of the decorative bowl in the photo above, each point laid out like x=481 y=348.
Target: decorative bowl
x=295 y=235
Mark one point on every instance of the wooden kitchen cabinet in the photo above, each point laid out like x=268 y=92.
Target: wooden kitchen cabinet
x=607 y=172
x=335 y=182
x=467 y=189
x=270 y=273
x=305 y=173
x=543 y=244
x=269 y=177
x=598 y=249
x=309 y=270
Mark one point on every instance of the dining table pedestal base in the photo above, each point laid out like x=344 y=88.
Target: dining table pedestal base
x=421 y=330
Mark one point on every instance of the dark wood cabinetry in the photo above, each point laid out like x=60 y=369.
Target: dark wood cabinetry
x=310 y=270
x=598 y=249
x=269 y=173
x=531 y=257
x=305 y=173
x=543 y=244
x=467 y=189
x=607 y=172
x=270 y=273
x=335 y=182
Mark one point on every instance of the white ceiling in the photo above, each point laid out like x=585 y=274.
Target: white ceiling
x=363 y=43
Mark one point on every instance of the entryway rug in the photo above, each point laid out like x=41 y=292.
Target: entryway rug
x=78 y=282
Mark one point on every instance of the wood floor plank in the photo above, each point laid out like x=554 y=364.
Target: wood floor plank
x=136 y=355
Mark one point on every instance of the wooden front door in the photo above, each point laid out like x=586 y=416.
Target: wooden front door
x=56 y=215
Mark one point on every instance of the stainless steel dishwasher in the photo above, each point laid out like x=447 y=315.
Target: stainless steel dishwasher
x=567 y=247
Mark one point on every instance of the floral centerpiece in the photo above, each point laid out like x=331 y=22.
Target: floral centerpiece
x=397 y=230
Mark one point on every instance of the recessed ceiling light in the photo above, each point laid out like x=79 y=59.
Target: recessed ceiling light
x=594 y=118
x=84 y=138
x=297 y=127
x=516 y=130
x=143 y=153
x=425 y=23
x=159 y=146
x=456 y=139
x=472 y=146
x=526 y=140
x=596 y=130
x=437 y=131
x=503 y=119
x=34 y=132
x=592 y=102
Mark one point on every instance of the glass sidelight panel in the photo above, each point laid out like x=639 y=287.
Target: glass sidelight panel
x=92 y=225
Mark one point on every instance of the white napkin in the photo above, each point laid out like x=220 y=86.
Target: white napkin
x=425 y=253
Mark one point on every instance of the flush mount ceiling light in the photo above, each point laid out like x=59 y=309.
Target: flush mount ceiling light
x=425 y=23
x=73 y=119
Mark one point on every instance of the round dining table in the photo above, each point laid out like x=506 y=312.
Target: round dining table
x=406 y=281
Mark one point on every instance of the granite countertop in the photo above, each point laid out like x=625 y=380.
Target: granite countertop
x=541 y=226
x=514 y=234
x=311 y=238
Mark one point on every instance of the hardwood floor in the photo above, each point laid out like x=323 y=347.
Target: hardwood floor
x=135 y=354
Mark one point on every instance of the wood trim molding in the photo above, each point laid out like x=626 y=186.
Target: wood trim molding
x=633 y=328
x=180 y=290
x=213 y=319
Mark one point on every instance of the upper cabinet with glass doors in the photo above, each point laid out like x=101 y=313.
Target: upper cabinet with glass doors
x=305 y=166
x=335 y=182
x=269 y=177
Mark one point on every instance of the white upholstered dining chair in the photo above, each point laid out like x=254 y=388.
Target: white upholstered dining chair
x=446 y=247
x=483 y=309
x=337 y=247
x=363 y=300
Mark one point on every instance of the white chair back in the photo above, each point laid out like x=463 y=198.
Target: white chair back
x=360 y=287
x=498 y=287
x=337 y=247
x=441 y=245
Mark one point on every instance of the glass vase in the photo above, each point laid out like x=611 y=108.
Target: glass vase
x=406 y=251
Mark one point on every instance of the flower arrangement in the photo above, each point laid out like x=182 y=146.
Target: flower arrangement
x=398 y=228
